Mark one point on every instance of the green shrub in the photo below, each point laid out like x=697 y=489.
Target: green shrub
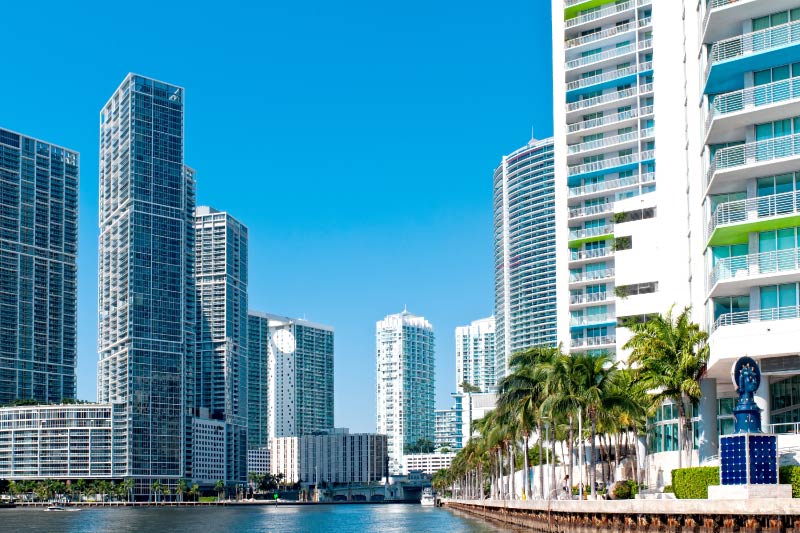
x=692 y=483
x=668 y=489
x=622 y=491
x=790 y=475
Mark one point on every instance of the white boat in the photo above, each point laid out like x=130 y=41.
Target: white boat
x=428 y=499
x=56 y=508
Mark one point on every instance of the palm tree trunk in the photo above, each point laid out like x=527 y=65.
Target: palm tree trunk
x=681 y=432
x=541 y=460
x=510 y=478
x=553 y=482
x=499 y=472
x=592 y=460
x=570 y=446
x=526 y=482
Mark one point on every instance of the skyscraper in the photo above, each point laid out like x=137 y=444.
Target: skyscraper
x=257 y=380
x=38 y=286
x=524 y=252
x=221 y=355
x=146 y=272
x=406 y=378
x=300 y=376
x=475 y=355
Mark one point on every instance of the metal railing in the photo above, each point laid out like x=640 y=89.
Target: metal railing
x=596 y=253
x=602 y=121
x=602 y=143
x=603 y=186
x=601 y=13
x=597 y=209
x=645 y=44
x=600 y=56
x=753 y=97
x=587 y=320
x=578 y=277
x=593 y=341
x=602 y=99
x=785 y=427
x=755 y=152
x=591 y=297
x=590 y=232
x=758 y=315
x=602 y=77
x=745 y=266
x=754 y=42
x=785 y=203
x=605 y=34
x=605 y=164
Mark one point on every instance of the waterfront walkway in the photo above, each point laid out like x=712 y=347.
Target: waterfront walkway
x=767 y=514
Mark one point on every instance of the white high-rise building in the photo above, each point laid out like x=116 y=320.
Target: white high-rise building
x=475 y=355
x=406 y=377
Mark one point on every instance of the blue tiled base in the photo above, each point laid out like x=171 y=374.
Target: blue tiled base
x=748 y=458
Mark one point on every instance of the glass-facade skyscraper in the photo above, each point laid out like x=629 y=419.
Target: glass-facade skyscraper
x=524 y=252
x=405 y=365
x=221 y=357
x=146 y=273
x=38 y=286
x=257 y=380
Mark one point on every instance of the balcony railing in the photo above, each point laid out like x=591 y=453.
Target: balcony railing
x=609 y=119
x=753 y=97
x=590 y=210
x=590 y=319
x=755 y=152
x=588 y=298
x=600 y=56
x=608 y=76
x=758 y=315
x=601 y=13
x=592 y=341
x=602 y=143
x=746 y=266
x=605 y=164
x=603 y=186
x=714 y=4
x=752 y=43
x=579 y=277
x=590 y=232
x=604 y=34
x=606 y=98
x=785 y=203
x=596 y=253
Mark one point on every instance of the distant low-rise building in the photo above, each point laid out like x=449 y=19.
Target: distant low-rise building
x=332 y=457
x=258 y=460
x=427 y=463
x=63 y=441
x=209 y=445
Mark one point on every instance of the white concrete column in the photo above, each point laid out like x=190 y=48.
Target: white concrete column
x=761 y=398
x=708 y=442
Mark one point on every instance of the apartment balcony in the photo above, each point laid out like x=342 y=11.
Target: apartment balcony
x=609 y=56
x=578 y=301
x=598 y=343
x=723 y=18
x=732 y=221
x=731 y=58
x=580 y=257
x=591 y=211
x=731 y=112
x=607 y=14
x=592 y=320
x=605 y=34
x=594 y=276
x=734 y=275
x=578 y=237
x=614 y=164
x=607 y=79
x=603 y=144
x=732 y=166
x=757 y=315
x=605 y=188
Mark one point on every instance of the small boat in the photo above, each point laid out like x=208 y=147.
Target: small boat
x=56 y=507
x=428 y=499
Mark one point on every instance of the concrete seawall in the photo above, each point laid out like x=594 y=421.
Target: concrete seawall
x=707 y=516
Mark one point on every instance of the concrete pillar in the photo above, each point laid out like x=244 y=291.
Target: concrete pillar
x=761 y=398
x=708 y=441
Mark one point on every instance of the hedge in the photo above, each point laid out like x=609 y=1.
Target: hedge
x=692 y=483
x=625 y=490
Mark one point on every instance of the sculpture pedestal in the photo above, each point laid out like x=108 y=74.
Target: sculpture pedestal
x=748 y=468
x=748 y=492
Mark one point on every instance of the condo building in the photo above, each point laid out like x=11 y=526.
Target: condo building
x=405 y=383
x=524 y=253
x=475 y=355
x=258 y=380
x=221 y=335
x=38 y=273
x=622 y=214
x=300 y=377
x=146 y=273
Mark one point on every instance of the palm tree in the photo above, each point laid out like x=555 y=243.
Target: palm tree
x=180 y=489
x=194 y=492
x=669 y=355
x=80 y=488
x=219 y=486
x=156 y=488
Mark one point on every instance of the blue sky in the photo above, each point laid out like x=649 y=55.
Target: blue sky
x=356 y=140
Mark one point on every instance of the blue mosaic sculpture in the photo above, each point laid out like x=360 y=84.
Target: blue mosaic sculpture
x=747 y=378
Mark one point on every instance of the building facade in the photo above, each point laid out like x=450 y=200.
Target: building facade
x=221 y=336
x=258 y=380
x=258 y=460
x=38 y=272
x=405 y=383
x=475 y=355
x=427 y=463
x=524 y=252
x=447 y=427
x=63 y=442
x=210 y=450
x=146 y=266
x=300 y=376
x=333 y=457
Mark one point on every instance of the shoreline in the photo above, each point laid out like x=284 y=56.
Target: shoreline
x=272 y=503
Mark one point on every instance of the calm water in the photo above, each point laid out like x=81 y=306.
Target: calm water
x=322 y=518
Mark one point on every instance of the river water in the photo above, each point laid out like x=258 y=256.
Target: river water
x=285 y=519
